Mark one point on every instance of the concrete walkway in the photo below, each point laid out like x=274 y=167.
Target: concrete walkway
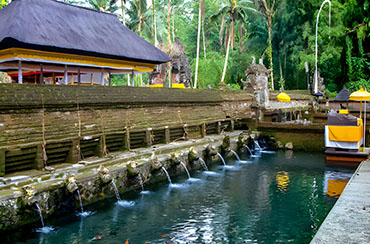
x=349 y=220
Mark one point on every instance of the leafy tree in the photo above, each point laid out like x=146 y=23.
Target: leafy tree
x=103 y=5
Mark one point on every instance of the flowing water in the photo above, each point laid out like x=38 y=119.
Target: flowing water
x=141 y=182
x=258 y=146
x=222 y=159
x=186 y=169
x=203 y=164
x=40 y=213
x=273 y=199
x=249 y=150
x=236 y=155
x=168 y=175
x=116 y=190
x=79 y=197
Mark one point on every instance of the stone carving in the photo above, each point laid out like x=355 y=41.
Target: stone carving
x=257 y=82
x=320 y=84
x=104 y=174
x=181 y=72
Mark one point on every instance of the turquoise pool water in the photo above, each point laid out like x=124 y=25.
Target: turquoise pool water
x=277 y=198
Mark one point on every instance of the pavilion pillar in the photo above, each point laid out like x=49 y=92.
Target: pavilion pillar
x=20 y=74
x=92 y=79
x=102 y=78
x=109 y=79
x=132 y=78
x=128 y=80
x=65 y=75
x=41 y=74
x=79 y=77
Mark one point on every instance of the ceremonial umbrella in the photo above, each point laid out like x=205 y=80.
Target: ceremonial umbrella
x=361 y=95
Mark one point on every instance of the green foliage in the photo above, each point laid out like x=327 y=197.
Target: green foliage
x=356 y=85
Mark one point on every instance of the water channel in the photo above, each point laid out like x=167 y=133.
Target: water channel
x=273 y=198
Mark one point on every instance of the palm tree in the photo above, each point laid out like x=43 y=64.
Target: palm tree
x=169 y=21
x=123 y=2
x=267 y=11
x=154 y=25
x=201 y=10
x=231 y=12
x=103 y=5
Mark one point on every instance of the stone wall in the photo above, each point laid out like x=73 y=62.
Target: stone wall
x=41 y=124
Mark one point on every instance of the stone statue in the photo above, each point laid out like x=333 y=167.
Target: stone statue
x=320 y=84
x=257 y=82
x=180 y=66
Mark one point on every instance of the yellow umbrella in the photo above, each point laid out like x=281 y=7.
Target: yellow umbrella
x=283 y=97
x=361 y=95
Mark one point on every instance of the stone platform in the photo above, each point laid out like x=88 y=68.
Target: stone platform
x=349 y=220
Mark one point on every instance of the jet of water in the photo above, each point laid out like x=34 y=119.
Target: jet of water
x=40 y=213
x=203 y=163
x=141 y=182
x=116 y=190
x=258 y=145
x=222 y=159
x=187 y=171
x=249 y=150
x=236 y=155
x=168 y=176
x=79 y=197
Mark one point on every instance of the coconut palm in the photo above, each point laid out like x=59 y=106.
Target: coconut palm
x=232 y=12
x=266 y=8
x=103 y=5
x=201 y=10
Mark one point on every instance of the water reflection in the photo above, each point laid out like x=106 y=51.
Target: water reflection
x=335 y=181
x=282 y=180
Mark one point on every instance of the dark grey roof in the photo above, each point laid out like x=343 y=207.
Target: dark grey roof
x=343 y=96
x=55 y=26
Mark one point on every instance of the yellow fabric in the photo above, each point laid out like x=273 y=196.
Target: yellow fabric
x=156 y=85
x=178 y=85
x=73 y=58
x=343 y=111
x=283 y=97
x=346 y=133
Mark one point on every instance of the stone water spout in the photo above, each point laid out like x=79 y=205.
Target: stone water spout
x=29 y=193
x=175 y=158
x=132 y=169
x=104 y=174
x=225 y=146
x=316 y=88
x=154 y=163
x=71 y=183
x=193 y=155
x=211 y=151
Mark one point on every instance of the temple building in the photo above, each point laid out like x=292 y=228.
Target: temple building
x=50 y=42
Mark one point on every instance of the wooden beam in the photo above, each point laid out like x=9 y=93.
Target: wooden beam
x=20 y=74
x=65 y=75
x=41 y=74
x=79 y=77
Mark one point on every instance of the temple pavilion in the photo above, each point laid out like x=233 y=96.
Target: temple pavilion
x=51 y=42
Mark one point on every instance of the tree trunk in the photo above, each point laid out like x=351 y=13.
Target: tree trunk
x=169 y=22
x=204 y=39
x=270 y=54
x=139 y=15
x=154 y=26
x=173 y=25
x=198 y=46
x=227 y=57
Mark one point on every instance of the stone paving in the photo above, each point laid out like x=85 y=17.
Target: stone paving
x=349 y=220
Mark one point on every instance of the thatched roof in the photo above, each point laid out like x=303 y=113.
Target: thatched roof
x=343 y=96
x=54 y=26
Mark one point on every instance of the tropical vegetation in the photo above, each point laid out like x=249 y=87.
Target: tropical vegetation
x=221 y=36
